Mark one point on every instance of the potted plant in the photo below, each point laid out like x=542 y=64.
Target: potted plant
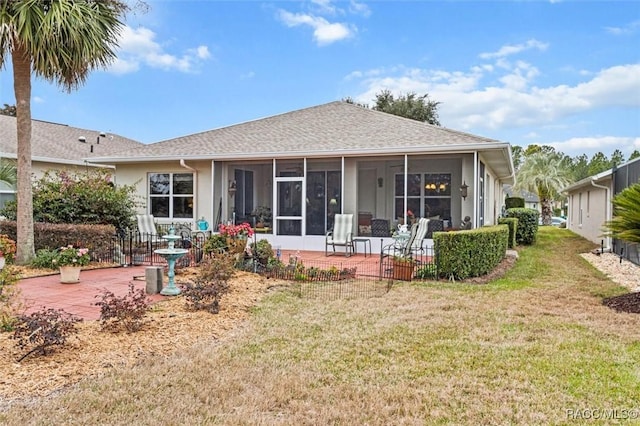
x=7 y=250
x=70 y=260
x=263 y=216
x=403 y=267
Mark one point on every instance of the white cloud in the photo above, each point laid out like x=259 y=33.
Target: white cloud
x=512 y=100
x=597 y=143
x=359 y=8
x=37 y=100
x=508 y=50
x=628 y=29
x=137 y=48
x=324 y=32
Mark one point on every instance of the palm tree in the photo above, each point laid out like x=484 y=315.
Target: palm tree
x=7 y=171
x=625 y=224
x=60 y=41
x=544 y=174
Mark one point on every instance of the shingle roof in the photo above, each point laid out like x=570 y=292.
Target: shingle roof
x=336 y=128
x=59 y=143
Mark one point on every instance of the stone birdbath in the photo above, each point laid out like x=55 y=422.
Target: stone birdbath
x=171 y=254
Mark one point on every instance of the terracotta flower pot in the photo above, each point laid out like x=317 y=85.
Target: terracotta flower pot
x=403 y=270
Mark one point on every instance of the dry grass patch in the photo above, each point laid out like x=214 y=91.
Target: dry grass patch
x=521 y=350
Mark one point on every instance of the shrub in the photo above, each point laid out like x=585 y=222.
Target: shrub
x=42 y=329
x=215 y=244
x=514 y=202
x=80 y=198
x=262 y=250
x=464 y=254
x=8 y=298
x=7 y=248
x=527 y=224
x=126 y=311
x=45 y=259
x=210 y=284
x=512 y=223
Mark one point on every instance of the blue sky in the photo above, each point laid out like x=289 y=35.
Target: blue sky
x=564 y=73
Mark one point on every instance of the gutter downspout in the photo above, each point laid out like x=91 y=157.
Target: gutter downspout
x=195 y=188
x=607 y=209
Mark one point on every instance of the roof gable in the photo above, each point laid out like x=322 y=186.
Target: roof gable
x=336 y=128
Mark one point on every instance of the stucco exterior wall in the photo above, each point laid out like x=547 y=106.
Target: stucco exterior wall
x=136 y=175
x=588 y=212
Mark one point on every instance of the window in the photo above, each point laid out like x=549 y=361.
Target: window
x=428 y=195
x=171 y=195
x=7 y=193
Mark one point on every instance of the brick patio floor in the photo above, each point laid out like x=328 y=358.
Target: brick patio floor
x=79 y=299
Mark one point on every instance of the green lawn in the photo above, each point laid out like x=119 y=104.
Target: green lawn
x=535 y=347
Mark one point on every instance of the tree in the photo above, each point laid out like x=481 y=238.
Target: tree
x=7 y=171
x=543 y=174
x=84 y=198
x=580 y=167
x=9 y=110
x=635 y=154
x=625 y=224
x=599 y=163
x=60 y=41
x=516 y=154
x=617 y=158
x=412 y=106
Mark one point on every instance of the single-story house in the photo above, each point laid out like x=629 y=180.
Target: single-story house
x=531 y=200
x=310 y=164
x=58 y=147
x=590 y=203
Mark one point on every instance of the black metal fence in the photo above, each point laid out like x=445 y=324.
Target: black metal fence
x=334 y=278
x=130 y=247
x=327 y=278
x=623 y=177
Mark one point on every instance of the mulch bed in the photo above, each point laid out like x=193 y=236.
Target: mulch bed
x=629 y=303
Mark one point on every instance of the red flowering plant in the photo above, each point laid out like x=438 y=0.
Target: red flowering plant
x=7 y=248
x=244 y=230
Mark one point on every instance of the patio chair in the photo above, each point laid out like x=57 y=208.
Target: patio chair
x=147 y=232
x=400 y=248
x=380 y=228
x=341 y=235
x=421 y=233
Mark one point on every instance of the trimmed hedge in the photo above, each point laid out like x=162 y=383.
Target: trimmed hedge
x=527 y=224
x=96 y=238
x=464 y=254
x=512 y=223
x=514 y=202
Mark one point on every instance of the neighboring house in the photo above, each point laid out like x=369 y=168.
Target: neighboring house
x=590 y=205
x=531 y=200
x=58 y=146
x=311 y=164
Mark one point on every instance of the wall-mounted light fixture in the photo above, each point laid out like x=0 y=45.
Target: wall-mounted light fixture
x=463 y=190
x=380 y=182
x=232 y=188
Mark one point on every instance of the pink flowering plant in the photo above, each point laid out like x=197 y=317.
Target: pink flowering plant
x=236 y=231
x=72 y=256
